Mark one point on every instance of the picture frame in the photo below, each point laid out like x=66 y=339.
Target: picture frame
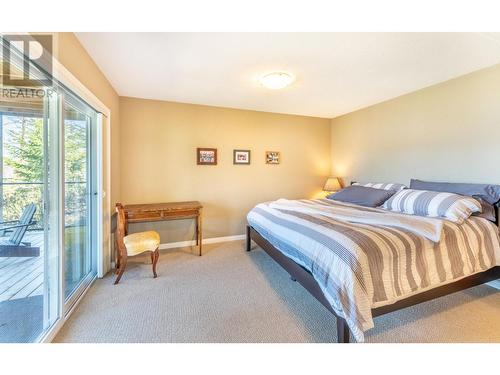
x=273 y=157
x=206 y=156
x=241 y=157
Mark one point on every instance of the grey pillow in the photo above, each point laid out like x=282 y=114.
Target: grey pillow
x=487 y=209
x=488 y=195
x=361 y=195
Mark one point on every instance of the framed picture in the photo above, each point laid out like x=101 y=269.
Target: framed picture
x=272 y=157
x=206 y=156
x=241 y=156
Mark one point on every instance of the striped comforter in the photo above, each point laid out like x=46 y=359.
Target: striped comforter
x=361 y=266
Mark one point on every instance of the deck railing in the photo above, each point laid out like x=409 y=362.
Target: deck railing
x=16 y=195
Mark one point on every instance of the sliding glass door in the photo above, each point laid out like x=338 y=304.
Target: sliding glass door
x=48 y=210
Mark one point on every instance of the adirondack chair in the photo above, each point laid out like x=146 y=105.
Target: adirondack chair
x=13 y=246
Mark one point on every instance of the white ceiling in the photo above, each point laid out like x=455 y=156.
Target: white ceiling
x=336 y=73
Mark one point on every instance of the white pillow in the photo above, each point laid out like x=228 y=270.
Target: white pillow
x=451 y=206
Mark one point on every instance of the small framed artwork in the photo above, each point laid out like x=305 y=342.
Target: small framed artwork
x=272 y=157
x=206 y=156
x=241 y=157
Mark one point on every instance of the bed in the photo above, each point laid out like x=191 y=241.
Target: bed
x=362 y=262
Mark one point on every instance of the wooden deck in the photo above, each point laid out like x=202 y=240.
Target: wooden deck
x=23 y=277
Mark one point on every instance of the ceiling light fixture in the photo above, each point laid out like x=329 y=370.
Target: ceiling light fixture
x=276 y=80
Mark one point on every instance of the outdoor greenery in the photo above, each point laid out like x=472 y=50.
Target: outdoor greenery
x=77 y=261
x=23 y=155
x=23 y=158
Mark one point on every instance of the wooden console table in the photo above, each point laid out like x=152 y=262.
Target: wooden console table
x=139 y=213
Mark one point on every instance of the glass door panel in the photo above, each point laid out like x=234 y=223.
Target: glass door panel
x=78 y=197
x=29 y=249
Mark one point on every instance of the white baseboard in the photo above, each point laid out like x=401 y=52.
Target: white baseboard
x=173 y=245
x=495 y=284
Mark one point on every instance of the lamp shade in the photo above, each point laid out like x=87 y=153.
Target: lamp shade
x=332 y=184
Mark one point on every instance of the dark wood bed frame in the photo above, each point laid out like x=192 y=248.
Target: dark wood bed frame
x=304 y=277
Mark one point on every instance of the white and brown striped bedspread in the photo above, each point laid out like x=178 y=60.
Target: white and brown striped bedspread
x=361 y=266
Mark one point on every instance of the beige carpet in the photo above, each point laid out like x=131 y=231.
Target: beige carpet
x=229 y=295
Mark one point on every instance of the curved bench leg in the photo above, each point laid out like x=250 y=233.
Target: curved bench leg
x=123 y=264
x=155 y=255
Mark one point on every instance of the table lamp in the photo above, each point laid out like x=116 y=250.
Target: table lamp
x=332 y=184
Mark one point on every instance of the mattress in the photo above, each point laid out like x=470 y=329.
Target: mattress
x=363 y=258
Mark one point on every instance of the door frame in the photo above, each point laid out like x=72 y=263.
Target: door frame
x=103 y=181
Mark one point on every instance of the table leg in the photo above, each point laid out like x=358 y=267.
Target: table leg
x=196 y=232
x=199 y=232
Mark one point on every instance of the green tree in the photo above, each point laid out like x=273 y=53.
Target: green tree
x=24 y=154
x=75 y=153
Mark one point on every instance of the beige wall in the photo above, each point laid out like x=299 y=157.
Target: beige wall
x=158 y=161
x=75 y=58
x=447 y=132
